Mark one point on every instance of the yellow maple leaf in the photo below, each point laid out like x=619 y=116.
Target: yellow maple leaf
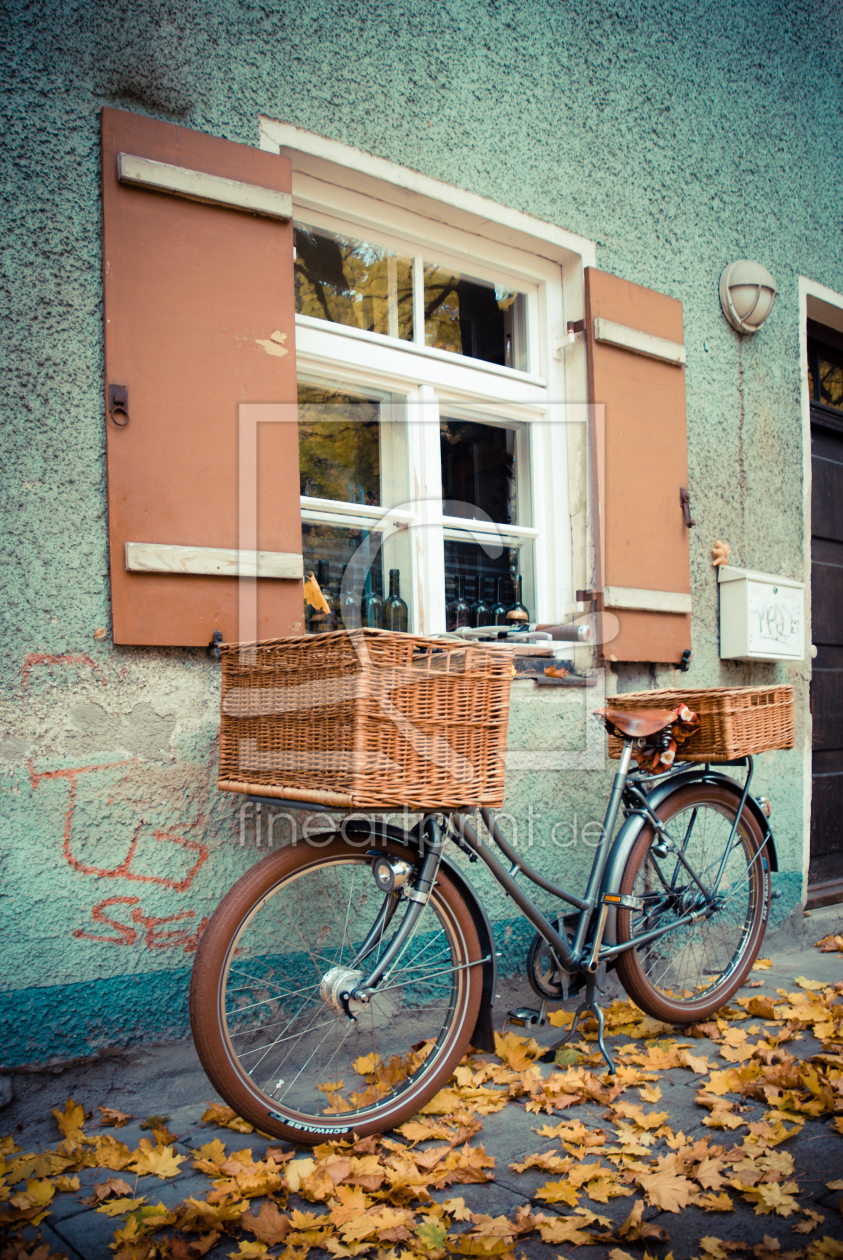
x=109 y=1153
x=297 y=1170
x=773 y=1197
x=162 y=1161
x=70 y=1120
x=66 y=1184
x=121 y=1207
x=812 y=1221
x=564 y=1229
x=350 y=1202
x=714 y=1202
x=635 y=1227
x=811 y=985
x=602 y=1189
x=226 y=1118
x=762 y=964
x=456 y=1209
x=312 y=592
x=670 y=1193
x=517 y=1052
x=38 y=1194
x=113 y=1118
x=650 y=1093
x=557 y=1192
x=378 y=1222
x=643 y=1119
x=269 y=1225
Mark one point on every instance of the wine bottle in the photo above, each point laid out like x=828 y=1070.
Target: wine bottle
x=395 y=610
x=350 y=603
x=458 y=608
x=517 y=616
x=372 y=608
x=333 y=598
x=498 y=610
x=478 y=613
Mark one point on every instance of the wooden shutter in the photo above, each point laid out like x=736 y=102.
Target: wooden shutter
x=636 y=370
x=199 y=319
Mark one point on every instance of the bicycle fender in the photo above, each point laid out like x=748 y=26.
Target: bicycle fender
x=631 y=829
x=483 y=1037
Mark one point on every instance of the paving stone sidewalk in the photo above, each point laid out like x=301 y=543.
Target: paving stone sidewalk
x=168 y=1080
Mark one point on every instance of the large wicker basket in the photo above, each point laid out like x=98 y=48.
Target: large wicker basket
x=365 y=718
x=734 y=721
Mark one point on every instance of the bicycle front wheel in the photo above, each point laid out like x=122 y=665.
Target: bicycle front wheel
x=270 y=1029
x=689 y=973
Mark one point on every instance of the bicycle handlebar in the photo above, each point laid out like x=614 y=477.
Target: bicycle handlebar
x=568 y=632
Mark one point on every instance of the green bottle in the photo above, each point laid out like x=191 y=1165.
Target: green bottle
x=395 y=610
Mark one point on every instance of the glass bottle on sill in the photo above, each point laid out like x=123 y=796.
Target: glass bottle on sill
x=335 y=606
x=498 y=609
x=458 y=608
x=350 y=604
x=372 y=603
x=479 y=612
x=395 y=610
x=517 y=616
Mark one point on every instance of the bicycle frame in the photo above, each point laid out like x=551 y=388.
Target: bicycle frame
x=572 y=957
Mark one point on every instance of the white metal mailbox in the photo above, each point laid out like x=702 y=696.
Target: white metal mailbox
x=761 y=616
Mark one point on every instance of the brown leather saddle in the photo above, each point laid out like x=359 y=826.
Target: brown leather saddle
x=639 y=723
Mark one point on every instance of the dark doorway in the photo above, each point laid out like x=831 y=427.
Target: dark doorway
x=825 y=374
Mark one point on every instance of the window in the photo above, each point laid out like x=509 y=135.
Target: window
x=825 y=367
x=427 y=390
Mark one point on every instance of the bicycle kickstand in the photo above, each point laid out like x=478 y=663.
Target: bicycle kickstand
x=588 y=1007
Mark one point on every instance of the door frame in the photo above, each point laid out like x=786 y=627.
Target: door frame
x=818 y=302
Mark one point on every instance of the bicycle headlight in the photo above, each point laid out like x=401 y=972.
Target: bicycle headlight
x=390 y=873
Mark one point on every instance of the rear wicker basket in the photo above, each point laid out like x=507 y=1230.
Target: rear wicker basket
x=365 y=718
x=734 y=721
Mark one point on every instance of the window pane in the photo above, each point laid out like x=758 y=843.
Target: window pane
x=339 y=445
x=478 y=470
x=475 y=318
x=484 y=577
x=327 y=551
x=353 y=283
x=831 y=381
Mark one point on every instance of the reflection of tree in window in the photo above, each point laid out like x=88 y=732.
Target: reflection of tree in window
x=471 y=317
x=825 y=366
x=339 y=445
x=353 y=283
x=831 y=383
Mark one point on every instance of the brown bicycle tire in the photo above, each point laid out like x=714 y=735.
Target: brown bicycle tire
x=709 y=936
x=208 y=995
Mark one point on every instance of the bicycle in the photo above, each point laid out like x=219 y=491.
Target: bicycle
x=337 y=986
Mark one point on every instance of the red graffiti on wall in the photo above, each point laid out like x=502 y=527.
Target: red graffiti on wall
x=44 y=658
x=154 y=938
x=147 y=928
x=124 y=869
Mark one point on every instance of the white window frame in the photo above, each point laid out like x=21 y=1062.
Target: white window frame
x=344 y=190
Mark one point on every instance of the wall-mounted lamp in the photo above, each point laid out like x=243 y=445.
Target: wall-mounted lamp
x=747 y=293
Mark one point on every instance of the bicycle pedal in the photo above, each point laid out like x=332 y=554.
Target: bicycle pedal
x=524 y=1016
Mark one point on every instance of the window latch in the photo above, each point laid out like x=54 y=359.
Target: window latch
x=118 y=405
x=685 y=500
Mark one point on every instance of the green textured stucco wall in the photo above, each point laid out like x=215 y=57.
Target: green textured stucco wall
x=677 y=136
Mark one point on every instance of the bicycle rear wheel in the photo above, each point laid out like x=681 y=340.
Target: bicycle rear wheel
x=272 y=1037
x=688 y=974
